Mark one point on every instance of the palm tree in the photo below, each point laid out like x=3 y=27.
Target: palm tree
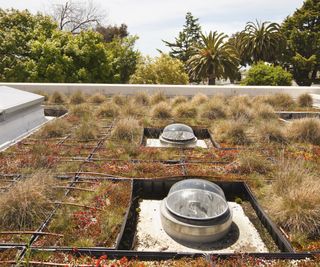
x=262 y=41
x=213 y=58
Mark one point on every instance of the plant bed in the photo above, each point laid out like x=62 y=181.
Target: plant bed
x=91 y=216
x=9 y=256
x=134 y=169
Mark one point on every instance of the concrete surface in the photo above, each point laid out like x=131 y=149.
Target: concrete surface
x=243 y=237
x=157 y=143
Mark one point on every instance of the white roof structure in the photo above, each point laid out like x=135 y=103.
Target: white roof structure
x=20 y=113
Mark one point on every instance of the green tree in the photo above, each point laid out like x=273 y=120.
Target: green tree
x=188 y=37
x=264 y=74
x=112 y=32
x=213 y=59
x=302 y=31
x=261 y=42
x=160 y=70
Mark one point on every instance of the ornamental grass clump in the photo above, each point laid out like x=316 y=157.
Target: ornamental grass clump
x=281 y=101
x=57 y=128
x=178 y=100
x=230 y=131
x=86 y=131
x=199 y=99
x=57 y=98
x=119 y=100
x=81 y=110
x=270 y=132
x=305 y=101
x=264 y=111
x=158 y=97
x=27 y=203
x=161 y=111
x=126 y=129
x=250 y=161
x=77 y=98
x=142 y=98
x=185 y=110
x=214 y=109
x=239 y=107
x=108 y=110
x=98 y=98
x=296 y=198
x=305 y=130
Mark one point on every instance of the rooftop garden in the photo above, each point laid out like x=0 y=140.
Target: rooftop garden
x=69 y=183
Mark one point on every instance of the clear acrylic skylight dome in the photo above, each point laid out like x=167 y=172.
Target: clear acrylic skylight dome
x=196 y=199
x=178 y=133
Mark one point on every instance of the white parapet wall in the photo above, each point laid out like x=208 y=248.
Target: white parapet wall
x=170 y=90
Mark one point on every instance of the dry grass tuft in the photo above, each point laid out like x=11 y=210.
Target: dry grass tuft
x=119 y=100
x=26 y=204
x=296 y=206
x=77 y=98
x=199 y=99
x=185 y=110
x=232 y=132
x=130 y=109
x=305 y=101
x=108 y=110
x=142 y=98
x=250 y=161
x=158 y=97
x=57 y=128
x=269 y=132
x=127 y=129
x=240 y=110
x=43 y=93
x=57 y=98
x=81 y=110
x=161 y=111
x=214 y=109
x=98 y=98
x=178 y=100
x=305 y=130
x=87 y=131
x=264 y=111
x=280 y=101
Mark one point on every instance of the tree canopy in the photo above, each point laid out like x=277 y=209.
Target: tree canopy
x=34 y=49
x=160 y=70
x=189 y=36
x=302 y=31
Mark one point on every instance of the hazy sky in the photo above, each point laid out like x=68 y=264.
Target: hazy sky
x=155 y=20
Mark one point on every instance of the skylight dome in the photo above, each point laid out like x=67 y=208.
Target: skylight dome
x=178 y=133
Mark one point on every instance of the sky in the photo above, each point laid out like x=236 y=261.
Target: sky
x=156 y=20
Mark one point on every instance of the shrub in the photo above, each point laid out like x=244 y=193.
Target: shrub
x=199 y=99
x=161 y=111
x=185 y=110
x=250 y=161
x=119 y=100
x=77 y=98
x=214 y=109
x=305 y=101
x=127 y=129
x=81 y=110
x=97 y=98
x=26 y=204
x=108 y=110
x=233 y=132
x=305 y=130
x=57 y=128
x=179 y=99
x=270 y=132
x=142 y=98
x=86 y=131
x=57 y=98
x=158 y=97
x=264 y=74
